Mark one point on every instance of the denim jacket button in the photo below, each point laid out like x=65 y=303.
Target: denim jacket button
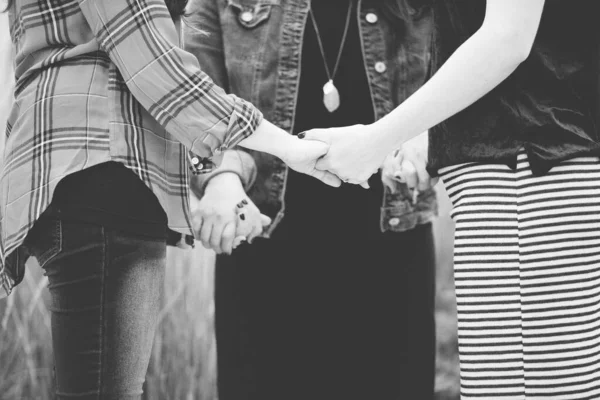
x=394 y=221
x=371 y=18
x=247 y=16
x=380 y=67
x=195 y=161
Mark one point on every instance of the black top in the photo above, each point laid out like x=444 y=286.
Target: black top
x=112 y=195
x=313 y=209
x=549 y=106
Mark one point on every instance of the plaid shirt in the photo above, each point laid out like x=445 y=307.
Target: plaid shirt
x=101 y=80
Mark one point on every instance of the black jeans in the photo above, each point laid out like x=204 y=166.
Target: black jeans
x=327 y=319
x=105 y=291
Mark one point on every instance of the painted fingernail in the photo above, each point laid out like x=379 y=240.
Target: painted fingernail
x=245 y=202
x=301 y=135
x=243 y=217
x=240 y=205
x=415 y=196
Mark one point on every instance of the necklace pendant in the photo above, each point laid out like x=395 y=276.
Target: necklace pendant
x=331 y=97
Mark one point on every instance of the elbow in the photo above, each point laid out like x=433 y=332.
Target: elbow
x=522 y=49
x=514 y=44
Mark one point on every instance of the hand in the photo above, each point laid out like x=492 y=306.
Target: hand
x=299 y=155
x=352 y=155
x=216 y=217
x=391 y=171
x=411 y=164
x=303 y=157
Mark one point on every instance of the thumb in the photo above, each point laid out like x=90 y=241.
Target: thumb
x=322 y=135
x=389 y=182
x=264 y=220
x=327 y=178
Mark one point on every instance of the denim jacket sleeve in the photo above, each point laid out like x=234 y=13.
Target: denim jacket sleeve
x=202 y=37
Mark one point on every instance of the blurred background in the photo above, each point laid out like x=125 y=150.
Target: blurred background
x=183 y=359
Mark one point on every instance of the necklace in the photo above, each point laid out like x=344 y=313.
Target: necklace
x=331 y=96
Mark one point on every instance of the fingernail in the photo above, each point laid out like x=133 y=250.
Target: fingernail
x=301 y=135
x=415 y=196
x=242 y=217
x=245 y=202
x=240 y=205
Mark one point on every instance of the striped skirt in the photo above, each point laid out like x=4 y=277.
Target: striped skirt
x=527 y=273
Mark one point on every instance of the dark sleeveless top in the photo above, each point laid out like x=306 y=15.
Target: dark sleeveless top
x=549 y=105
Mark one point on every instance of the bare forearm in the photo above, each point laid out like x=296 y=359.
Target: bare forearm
x=478 y=66
x=485 y=60
x=270 y=139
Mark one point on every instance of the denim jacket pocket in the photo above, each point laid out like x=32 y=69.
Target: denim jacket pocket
x=44 y=240
x=399 y=214
x=251 y=13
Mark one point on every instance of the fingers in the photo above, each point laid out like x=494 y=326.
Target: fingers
x=215 y=237
x=327 y=178
x=205 y=233
x=238 y=241
x=409 y=174
x=264 y=220
x=391 y=171
x=389 y=182
x=424 y=178
x=197 y=222
x=253 y=223
x=322 y=164
x=259 y=224
x=256 y=231
x=321 y=135
x=227 y=238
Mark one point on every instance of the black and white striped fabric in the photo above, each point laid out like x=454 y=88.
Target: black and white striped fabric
x=527 y=272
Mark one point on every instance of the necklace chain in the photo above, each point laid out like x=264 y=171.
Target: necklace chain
x=330 y=75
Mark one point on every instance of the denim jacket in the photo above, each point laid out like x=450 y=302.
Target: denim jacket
x=252 y=48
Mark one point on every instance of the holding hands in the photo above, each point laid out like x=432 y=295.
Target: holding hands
x=225 y=217
x=355 y=154
x=351 y=156
x=409 y=165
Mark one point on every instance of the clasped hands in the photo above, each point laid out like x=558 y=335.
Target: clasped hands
x=224 y=217
x=354 y=156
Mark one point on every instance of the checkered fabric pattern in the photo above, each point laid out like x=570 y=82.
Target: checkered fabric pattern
x=102 y=80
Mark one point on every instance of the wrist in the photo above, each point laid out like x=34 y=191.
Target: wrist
x=225 y=180
x=270 y=139
x=382 y=140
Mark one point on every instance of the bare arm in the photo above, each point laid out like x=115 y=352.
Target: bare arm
x=485 y=60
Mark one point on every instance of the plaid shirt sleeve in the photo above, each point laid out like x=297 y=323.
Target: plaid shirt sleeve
x=140 y=37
